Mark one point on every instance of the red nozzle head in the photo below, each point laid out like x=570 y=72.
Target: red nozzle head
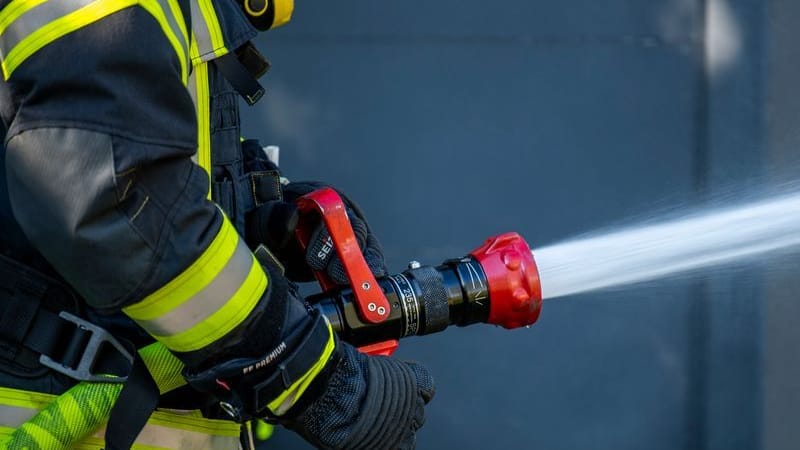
x=515 y=294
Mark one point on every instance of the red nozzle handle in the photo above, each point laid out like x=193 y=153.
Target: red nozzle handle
x=385 y=348
x=371 y=303
x=515 y=295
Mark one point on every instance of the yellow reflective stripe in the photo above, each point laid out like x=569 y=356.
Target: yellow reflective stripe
x=191 y=281
x=175 y=430
x=290 y=396
x=177 y=13
x=203 y=106
x=164 y=430
x=201 y=38
x=14 y=10
x=207 y=31
x=180 y=47
x=212 y=23
x=208 y=300
x=283 y=12
x=26 y=26
x=172 y=23
x=58 y=28
x=34 y=18
x=194 y=421
x=24 y=399
x=219 y=324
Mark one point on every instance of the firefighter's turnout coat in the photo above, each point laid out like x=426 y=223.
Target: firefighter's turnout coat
x=124 y=172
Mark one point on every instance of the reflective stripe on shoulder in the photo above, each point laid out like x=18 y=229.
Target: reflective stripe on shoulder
x=207 y=32
x=208 y=300
x=199 y=90
x=26 y=26
x=205 y=45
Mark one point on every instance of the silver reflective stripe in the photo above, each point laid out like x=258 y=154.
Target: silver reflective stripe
x=166 y=429
x=205 y=50
x=15 y=416
x=42 y=15
x=206 y=302
x=36 y=18
x=159 y=436
x=176 y=29
x=192 y=88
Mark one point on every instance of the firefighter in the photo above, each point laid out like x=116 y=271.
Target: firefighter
x=128 y=277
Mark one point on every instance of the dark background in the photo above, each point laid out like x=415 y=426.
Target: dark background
x=450 y=121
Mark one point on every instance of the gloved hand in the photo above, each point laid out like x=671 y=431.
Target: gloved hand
x=370 y=403
x=274 y=223
x=356 y=402
x=314 y=384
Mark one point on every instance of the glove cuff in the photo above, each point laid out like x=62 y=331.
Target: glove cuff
x=270 y=384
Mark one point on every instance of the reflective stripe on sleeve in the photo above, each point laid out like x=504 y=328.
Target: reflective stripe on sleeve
x=26 y=26
x=208 y=300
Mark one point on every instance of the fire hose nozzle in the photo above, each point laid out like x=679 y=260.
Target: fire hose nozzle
x=514 y=290
x=496 y=283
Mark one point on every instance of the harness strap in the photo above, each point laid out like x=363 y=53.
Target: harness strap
x=34 y=338
x=62 y=421
x=75 y=347
x=132 y=409
x=242 y=70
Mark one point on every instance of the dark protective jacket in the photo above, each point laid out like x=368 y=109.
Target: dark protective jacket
x=111 y=111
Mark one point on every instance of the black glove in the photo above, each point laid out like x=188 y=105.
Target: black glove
x=371 y=403
x=348 y=400
x=356 y=402
x=274 y=224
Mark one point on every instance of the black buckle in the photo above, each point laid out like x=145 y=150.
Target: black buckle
x=97 y=338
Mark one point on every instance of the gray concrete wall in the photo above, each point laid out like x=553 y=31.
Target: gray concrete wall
x=781 y=363
x=453 y=121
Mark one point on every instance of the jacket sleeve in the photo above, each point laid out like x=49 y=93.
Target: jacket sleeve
x=100 y=177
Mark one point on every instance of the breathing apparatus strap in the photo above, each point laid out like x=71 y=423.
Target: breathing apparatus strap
x=242 y=69
x=32 y=336
x=134 y=406
x=72 y=346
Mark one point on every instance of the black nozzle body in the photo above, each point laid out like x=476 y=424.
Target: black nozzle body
x=422 y=301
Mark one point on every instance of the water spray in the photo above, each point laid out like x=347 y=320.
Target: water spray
x=641 y=253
